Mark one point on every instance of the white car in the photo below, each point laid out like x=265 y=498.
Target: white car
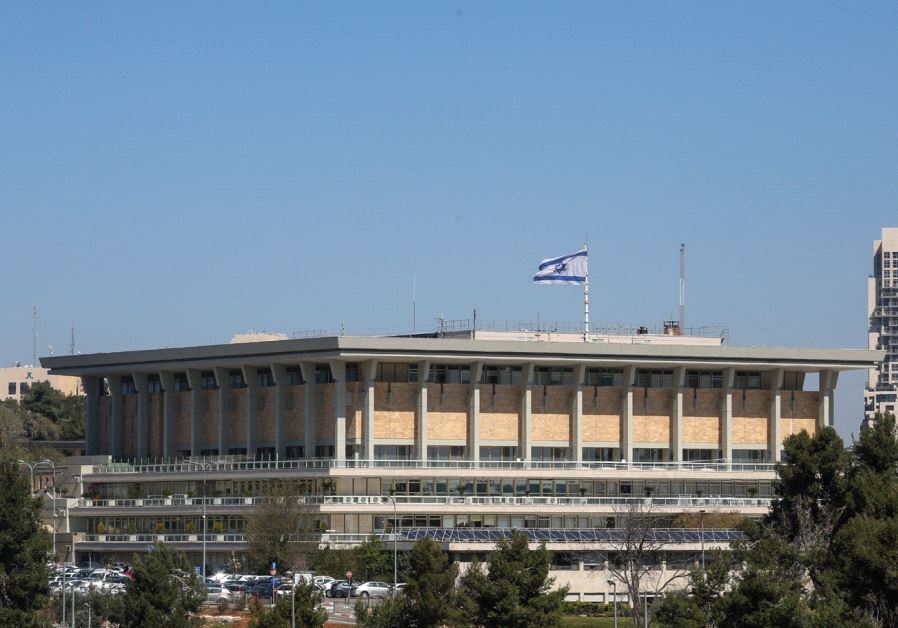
x=372 y=589
x=215 y=593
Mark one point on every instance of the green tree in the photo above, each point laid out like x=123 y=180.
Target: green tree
x=63 y=414
x=164 y=591
x=24 y=545
x=309 y=612
x=279 y=531
x=697 y=605
x=371 y=560
x=515 y=592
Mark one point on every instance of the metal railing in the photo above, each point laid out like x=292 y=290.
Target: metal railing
x=443 y=535
x=189 y=466
x=682 y=501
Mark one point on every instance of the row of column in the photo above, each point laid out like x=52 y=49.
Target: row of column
x=92 y=387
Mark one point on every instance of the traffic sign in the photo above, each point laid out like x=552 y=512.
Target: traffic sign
x=349 y=575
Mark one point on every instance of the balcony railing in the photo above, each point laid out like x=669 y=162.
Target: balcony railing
x=200 y=466
x=682 y=501
x=446 y=535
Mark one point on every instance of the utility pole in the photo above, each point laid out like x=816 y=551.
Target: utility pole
x=34 y=334
x=682 y=287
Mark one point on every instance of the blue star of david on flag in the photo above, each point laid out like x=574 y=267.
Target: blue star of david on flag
x=567 y=269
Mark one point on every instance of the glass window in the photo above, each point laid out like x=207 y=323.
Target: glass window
x=599 y=454
x=748 y=380
x=235 y=378
x=294 y=376
x=553 y=376
x=604 y=377
x=12 y=388
x=503 y=375
x=704 y=379
x=449 y=374
x=654 y=378
x=154 y=385
x=207 y=381
x=264 y=378
x=323 y=374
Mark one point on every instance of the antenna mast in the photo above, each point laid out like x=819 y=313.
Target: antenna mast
x=72 y=344
x=682 y=287
x=34 y=333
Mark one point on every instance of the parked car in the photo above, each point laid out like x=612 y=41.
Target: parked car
x=371 y=589
x=342 y=589
x=399 y=588
x=261 y=589
x=235 y=588
x=329 y=587
x=215 y=593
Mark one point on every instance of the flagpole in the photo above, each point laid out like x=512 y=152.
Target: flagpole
x=586 y=298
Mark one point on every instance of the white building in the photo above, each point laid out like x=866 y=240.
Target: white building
x=882 y=309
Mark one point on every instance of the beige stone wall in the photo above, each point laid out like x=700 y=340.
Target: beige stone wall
x=795 y=426
x=296 y=413
x=266 y=411
x=601 y=414
x=751 y=411
x=447 y=411
x=651 y=415
x=355 y=401
x=236 y=418
x=209 y=418
x=324 y=413
x=499 y=413
x=701 y=415
x=129 y=426
x=394 y=410
x=154 y=412
x=182 y=420
x=551 y=413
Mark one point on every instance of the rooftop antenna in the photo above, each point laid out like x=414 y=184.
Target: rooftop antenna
x=72 y=343
x=682 y=287
x=414 y=304
x=34 y=331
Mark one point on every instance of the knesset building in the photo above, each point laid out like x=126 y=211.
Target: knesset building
x=461 y=437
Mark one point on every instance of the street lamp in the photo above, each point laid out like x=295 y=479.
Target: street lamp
x=204 y=466
x=613 y=585
x=392 y=498
x=702 y=527
x=31 y=466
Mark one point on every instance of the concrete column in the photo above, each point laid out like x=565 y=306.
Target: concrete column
x=577 y=414
x=282 y=390
x=115 y=416
x=309 y=406
x=143 y=415
x=826 y=400
x=676 y=415
x=726 y=414
x=168 y=413
x=223 y=379
x=250 y=379
x=421 y=411
x=338 y=371
x=369 y=372
x=91 y=387
x=774 y=438
x=195 y=380
x=474 y=412
x=525 y=425
x=626 y=431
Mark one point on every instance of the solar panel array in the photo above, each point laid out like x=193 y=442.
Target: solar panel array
x=599 y=535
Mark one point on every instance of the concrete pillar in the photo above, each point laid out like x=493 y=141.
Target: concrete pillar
x=369 y=372
x=168 y=413
x=577 y=414
x=474 y=412
x=338 y=371
x=626 y=431
x=223 y=379
x=826 y=400
x=525 y=425
x=282 y=391
x=676 y=415
x=195 y=381
x=91 y=387
x=143 y=415
x=774 y=438
x=726 y=414
x=250 y=378
x=309 y=407
x=115 y=416
x=421 y=411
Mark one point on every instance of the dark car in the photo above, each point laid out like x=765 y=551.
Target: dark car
x=261 y=589
x=342 y=589
x=235 y=587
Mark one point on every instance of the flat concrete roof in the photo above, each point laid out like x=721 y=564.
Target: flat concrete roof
x=445 y=350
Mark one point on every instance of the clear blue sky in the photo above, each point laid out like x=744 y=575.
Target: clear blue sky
x=173 y=173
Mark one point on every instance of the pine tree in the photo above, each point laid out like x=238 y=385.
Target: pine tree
x=24 y=545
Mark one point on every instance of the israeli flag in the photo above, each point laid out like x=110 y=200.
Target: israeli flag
x=568 y=269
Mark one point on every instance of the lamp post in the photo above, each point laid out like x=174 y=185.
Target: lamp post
x=702 y=537
x=204 y=466
x=613 y=585
x=392 y=498
x=31 y=466
x=53 y=497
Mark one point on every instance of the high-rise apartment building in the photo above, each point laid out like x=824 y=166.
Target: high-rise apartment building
x=882 y=309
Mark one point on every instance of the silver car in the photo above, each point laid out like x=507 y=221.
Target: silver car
x=372 y=589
